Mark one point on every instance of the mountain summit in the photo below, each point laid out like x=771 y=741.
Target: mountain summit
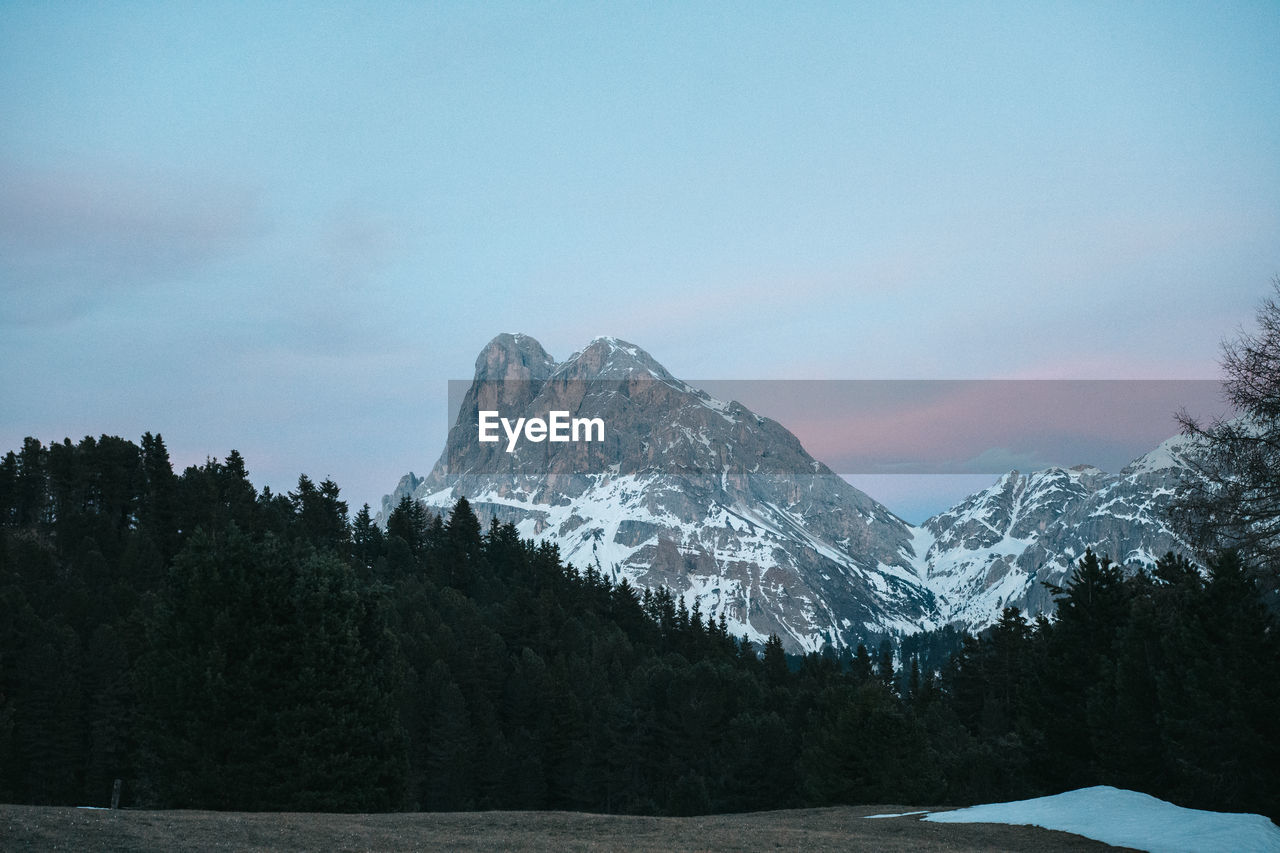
x=706 y=497
x=726 y=508
x=1004 y=544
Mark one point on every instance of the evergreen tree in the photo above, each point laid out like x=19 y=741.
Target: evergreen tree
x=222 y=648
x=409 y=522
x=884 y=669
x=463 y=553
x=864 y=747
x=322 y=515
x=1220 y=701
x=366 y=540
x=451 y=781
x=1075 y=666
x=775 y=662
x=860 y=666
x=265 y=685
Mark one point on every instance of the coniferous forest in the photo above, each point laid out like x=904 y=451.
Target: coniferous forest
x=216 y=646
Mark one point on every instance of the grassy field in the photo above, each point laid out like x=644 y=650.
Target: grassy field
x=50 y=828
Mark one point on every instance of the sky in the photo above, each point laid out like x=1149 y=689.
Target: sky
x=282 y=228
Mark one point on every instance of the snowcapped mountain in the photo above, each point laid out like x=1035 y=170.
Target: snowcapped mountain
x=1001 y=545
x=705 y=497
x=725 y=506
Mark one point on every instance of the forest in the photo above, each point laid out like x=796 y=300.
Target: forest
x=222 y=647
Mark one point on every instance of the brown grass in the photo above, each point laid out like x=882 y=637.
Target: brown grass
x=50 y=828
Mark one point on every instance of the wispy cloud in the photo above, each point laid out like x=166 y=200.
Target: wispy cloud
x=69 y=238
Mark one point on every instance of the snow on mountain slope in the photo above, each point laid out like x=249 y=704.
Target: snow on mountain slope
x=972 y=563
x=725 y=506
x=1000 y=546
x=703 y=496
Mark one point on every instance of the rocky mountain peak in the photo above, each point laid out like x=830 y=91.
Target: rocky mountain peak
x=686 y=491
x=510 y=371
x=1172 y=454
x=726 y=507
x=612 y=358
x=513 y=357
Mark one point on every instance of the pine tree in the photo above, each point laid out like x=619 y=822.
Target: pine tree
x=884 y=670
x=366 y=540
x=863 y=747
x=775 y=662
x=860 y=666
x=30 y=494
x=323 y=515
x=48 y=721
x=464 y=556
x=1006 y=648
x=1077 y=666
x=157 y=510
x=451 y=780
x=267 y=683
x=409 y=522
x=1220 y=703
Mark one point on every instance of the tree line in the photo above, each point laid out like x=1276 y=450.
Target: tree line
x=219 y=646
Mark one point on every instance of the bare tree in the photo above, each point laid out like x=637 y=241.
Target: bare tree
x=1231 y=499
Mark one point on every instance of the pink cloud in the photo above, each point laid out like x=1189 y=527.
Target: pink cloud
x=974 y=426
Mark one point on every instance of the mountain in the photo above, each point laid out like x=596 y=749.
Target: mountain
x=1001 y=545
x=726 y=507
x=703 y=496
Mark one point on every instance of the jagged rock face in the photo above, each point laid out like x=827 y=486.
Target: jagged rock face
x=1000 y=546
x=705 y=497
x=726 y=507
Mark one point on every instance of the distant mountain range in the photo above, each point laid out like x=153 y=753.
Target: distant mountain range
x=727 y=508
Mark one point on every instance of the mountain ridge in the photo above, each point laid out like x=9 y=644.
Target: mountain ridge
x=726 y=507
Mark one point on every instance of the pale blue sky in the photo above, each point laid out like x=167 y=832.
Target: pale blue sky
x=282 y=227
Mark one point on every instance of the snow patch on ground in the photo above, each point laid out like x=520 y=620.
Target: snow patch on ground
x=1129 y=819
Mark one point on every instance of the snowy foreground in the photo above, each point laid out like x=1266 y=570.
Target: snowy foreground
x=1128 y=819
